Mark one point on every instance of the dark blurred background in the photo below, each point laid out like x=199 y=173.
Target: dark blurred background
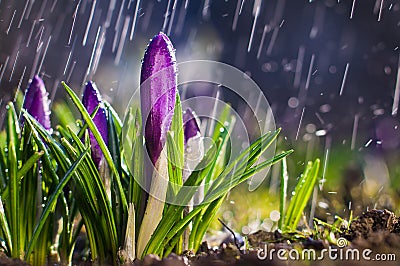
x=329 y=68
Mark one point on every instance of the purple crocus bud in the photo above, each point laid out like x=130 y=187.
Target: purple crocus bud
x=91 y=99
x=36 y=102
x=158 y=84
x=194 y=147
x=190 y=126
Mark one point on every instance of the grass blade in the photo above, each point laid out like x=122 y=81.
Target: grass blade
x=5 y=228
x=283 y=194
x=12 y=163
x=301 y=195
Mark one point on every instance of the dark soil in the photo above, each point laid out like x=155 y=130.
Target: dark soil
x=371 y=222
x=4 y=260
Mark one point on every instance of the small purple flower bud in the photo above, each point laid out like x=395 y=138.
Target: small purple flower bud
x=36 y=102
x=158 y=84
x=194 y=145
x=91 y=99
x=190 y=126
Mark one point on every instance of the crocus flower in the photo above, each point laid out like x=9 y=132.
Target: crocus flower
x=36 y=102
x=194 y=149
x=91 y=99
x=158 y=84
x=190 y=125
x=157 y=92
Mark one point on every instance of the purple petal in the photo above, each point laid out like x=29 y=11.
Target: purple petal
x=36 y=102
x=158 y=84
x=91 y=99
x=190 y=126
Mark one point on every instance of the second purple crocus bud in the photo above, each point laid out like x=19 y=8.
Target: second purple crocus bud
x=194 y=147
x=36 y=102
x=190 y=125
x=158 y=84
x=91 y=99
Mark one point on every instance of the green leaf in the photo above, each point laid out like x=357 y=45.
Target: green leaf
x=175 y=147
x=13 y=132
x=132 y=153
x=301 y=195
x=114 y=115
x=283 y=194
x=113 y=144
x=174 y=163
x=5 y=228
x=209 y=213
x=28 y=164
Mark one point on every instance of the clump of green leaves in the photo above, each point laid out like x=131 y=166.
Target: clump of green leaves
x=301 y=194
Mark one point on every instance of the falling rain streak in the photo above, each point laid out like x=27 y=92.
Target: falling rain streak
x=380 y=11
x=73 y=21
x=396 y=97
x=89 y=23
x=352 y=9
x=135 y=16
x=256 y=13
x=354 y=134
x=12 y=19
x=298 y=127
x=310 y=72
x=344 y=79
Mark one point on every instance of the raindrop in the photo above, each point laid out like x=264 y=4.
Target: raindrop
x=387 y=70
x=245 y=230
x=332 y=69
x=379 y=111
x=275 y=215
x=320 y=133
x=326 y=108
x=323 y=205
x=368 y=143
x=310 y=128
x=307 y=137
x=293 y=102
x=269 y=67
